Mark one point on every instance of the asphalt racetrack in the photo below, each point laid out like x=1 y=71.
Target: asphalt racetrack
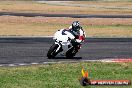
x=24 y=51
x=63 y=15
x=33 y=50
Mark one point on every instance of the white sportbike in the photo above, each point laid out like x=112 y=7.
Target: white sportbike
x=65 y=44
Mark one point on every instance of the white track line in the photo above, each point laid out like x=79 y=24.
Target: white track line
x=26 y=36
x=60 y=62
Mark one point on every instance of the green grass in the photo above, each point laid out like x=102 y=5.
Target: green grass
x=62 y=75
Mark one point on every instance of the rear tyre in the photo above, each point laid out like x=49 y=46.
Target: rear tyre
x=71 y=53
x=52 y=51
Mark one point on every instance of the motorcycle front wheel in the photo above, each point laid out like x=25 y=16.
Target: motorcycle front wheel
x=52 y=51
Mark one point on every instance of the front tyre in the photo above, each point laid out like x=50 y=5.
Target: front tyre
x=52 y=51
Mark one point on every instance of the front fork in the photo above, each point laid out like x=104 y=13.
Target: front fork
x=59 y=49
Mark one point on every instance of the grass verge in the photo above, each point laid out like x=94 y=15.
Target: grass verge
x=47 y=29
x=62 y=75
x=47 y=26
x=91 y=7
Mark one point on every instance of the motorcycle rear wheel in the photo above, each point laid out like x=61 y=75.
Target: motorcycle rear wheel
x=71 y=53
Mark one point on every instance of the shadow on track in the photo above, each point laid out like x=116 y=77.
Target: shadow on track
x=77 y=58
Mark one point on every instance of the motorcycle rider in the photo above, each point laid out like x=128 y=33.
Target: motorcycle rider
x=74 y=34
x=77 y=31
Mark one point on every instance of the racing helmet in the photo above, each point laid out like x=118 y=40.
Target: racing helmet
x=75 y=26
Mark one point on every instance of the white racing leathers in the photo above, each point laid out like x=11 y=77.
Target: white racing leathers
x=64 y=37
